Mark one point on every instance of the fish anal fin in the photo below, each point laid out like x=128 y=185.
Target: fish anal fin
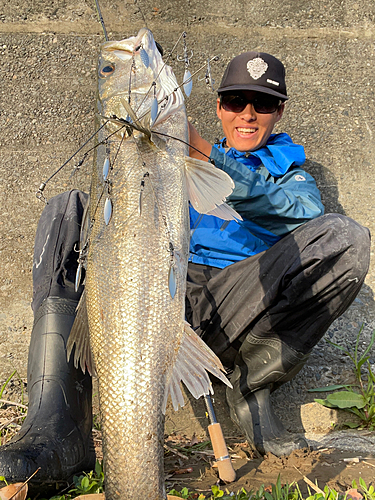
x=194 y=360
x=79 y=337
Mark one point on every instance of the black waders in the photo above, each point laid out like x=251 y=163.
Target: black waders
x=262 y=365
x=56 y=434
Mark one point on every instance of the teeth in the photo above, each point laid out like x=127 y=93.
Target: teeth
x=245 y=130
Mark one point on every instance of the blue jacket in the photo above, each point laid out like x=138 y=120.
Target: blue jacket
x=272 y=194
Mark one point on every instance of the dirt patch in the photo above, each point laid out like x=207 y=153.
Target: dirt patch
x=334 y=468
x=189 y=460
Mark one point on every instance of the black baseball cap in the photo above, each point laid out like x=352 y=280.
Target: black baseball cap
x=255 y=71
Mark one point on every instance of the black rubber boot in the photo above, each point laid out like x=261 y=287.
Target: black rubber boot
x=56 y=434
x=262 y=365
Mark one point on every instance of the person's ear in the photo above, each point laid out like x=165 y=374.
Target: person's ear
x=280 y=112
x=218 y=108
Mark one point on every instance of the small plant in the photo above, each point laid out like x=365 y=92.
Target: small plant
x=96 y=423
x=278 y=491
x=184 y=493
x=359 y=398
x=88 y=484
x=368 y=492
x=6 y=383
x=18 y=411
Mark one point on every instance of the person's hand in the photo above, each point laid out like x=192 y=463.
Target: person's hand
x=203 y=147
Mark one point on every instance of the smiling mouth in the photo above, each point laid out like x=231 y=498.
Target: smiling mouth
x=243 y=130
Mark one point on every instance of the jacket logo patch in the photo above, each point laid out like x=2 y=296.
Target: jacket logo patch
x=256 y=67
x=300 y=178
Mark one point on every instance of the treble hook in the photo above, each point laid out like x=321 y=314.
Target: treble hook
x=186 y=58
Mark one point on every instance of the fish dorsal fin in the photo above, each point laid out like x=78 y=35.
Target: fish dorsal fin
x=194 y=360
x=79 y=336
x=208 y=188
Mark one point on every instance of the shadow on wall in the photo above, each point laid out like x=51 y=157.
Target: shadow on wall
x=327 y=184
x=289 y=398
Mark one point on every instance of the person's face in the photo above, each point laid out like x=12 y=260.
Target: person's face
x=248 y=130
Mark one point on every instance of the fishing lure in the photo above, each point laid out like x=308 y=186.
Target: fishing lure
x=188 y=81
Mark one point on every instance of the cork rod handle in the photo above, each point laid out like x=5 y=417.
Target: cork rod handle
x=223 y=462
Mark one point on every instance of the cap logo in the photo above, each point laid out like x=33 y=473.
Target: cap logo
x=256 y=68
x=273 y=82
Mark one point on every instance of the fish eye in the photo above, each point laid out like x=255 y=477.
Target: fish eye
x=106 y=70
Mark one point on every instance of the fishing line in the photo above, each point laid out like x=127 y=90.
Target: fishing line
x=102 y=142
x=184 y=142
x=214 y=58
x=140 y=11
x=165 y=63
x=39 y=193
x=164 y=217
x=107 y=183
x=82 y=255
x=126 y=123
x=101 y=20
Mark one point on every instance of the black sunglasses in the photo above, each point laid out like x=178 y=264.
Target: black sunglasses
x=262 y=103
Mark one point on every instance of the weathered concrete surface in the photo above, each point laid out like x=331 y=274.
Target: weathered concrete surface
x=48 y=56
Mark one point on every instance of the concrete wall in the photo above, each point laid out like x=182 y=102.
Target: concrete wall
x=48 y=56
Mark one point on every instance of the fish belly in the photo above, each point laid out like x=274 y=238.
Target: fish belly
x=136 y=327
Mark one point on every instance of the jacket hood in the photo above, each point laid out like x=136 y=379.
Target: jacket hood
x=278 y=155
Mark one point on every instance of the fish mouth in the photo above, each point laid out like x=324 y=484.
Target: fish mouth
x=116 y=95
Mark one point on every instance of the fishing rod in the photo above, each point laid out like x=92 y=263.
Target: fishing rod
x=223 y=461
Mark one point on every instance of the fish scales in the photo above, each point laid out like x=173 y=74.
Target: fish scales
x=135 y=325
x=135 y=305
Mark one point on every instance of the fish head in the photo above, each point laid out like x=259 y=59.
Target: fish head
x=133 y=70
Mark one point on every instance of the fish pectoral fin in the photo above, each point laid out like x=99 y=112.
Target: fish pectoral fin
x=225 y=212
x=194 y=360
x=208 y=188
x=79 y=336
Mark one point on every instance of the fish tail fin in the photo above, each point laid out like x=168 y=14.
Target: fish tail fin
x=194 y=360
x=79 y=337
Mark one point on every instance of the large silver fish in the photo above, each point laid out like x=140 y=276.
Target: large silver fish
x=137 y=238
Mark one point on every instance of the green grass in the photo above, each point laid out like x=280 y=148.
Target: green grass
x=277 y=491
x=17 y=412
x=94 y=483
x=359 y=398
